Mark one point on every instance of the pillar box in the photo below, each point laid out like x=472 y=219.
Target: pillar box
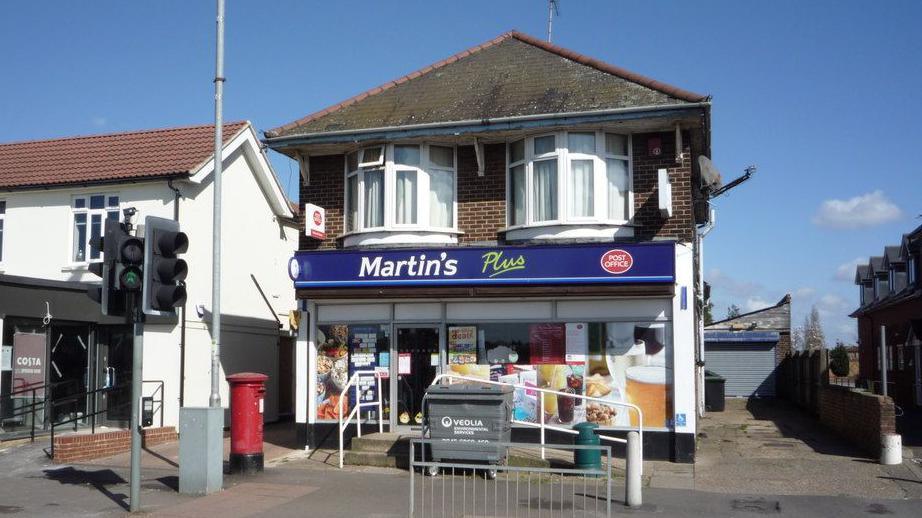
x=247 y=393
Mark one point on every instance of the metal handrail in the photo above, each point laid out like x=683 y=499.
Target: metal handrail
x=35 y=406
x=353 y=381
x=542 y=425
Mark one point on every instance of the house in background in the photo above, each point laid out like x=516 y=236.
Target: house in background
x=748 y=349
x=518 y=212
x=889 y=317
x=54 y=198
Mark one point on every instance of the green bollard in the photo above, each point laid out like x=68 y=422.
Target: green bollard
x=586 y=458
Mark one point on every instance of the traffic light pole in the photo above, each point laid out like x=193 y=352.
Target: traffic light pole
x=137 y=355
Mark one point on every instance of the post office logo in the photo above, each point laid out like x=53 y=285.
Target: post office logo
x=617 y=261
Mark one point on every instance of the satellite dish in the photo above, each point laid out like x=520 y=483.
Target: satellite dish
x=710 y=176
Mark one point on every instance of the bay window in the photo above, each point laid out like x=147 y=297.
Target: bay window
x=400 y=187
x=572 y=177
x=89 y=212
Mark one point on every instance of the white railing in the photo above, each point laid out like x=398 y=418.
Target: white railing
x=541 y=424
x=356 y=410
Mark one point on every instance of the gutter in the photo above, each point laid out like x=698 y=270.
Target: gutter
x=481 y=125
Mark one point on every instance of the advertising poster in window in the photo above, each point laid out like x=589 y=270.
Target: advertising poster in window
x=362 y=357
x=28 y=363
x=332 y=370
x=462 y=345
x=547 y=343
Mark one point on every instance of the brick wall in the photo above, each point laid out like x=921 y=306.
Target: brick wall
x=482 y=199
x=72 y=448
x=858 y=416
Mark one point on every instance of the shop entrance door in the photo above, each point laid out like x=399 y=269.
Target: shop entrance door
x=68 y=368
x=417 y=361
x=113 y=372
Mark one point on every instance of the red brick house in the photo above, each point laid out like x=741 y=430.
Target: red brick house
x=890 y=317
x=518 y=212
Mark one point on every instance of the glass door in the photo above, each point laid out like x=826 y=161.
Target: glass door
x=69 y=367
x=417 y=362
x=113 y=372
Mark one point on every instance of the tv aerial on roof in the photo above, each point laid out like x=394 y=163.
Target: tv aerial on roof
x=711 y=179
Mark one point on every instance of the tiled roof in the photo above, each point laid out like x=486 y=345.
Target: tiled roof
x=876 y=264
x=106 y=158
x=892 y=254
x=862 y=273
x=512 y=75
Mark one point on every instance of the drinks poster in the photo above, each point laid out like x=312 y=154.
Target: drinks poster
x=462 y=345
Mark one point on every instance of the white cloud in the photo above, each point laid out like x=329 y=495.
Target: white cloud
x=755 y=303
x=867 y=210
x=846 y=271
x=803 y=293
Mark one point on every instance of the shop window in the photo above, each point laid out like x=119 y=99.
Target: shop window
x=89 y=212
x=401 y=187
x=341 y=351
x=593 y=169
x=626 y=362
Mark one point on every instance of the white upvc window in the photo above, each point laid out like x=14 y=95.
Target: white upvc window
x=401 y=187
x=89 y=213
x=569 y=178
x=2 y=221
x=911 y=267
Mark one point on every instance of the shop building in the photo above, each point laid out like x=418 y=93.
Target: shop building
x=889 y=318
x=54 y=198
x=518 y=212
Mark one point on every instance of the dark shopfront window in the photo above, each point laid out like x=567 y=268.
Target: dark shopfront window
x=13 y=405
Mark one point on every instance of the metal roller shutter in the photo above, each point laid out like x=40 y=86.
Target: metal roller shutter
x=748 y=367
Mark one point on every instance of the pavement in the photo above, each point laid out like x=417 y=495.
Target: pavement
x=742 y=471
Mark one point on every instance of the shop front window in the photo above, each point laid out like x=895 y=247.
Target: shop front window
x=621 y=362
x=341 y=351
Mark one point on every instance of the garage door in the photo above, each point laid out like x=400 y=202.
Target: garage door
x=748 y=367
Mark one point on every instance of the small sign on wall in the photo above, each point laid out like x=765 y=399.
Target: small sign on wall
x=315 y=220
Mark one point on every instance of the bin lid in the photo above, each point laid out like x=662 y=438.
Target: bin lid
x=469 y=389
x=247 y=377
x=584 y=425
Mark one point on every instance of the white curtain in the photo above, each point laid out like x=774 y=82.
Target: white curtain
x=518 y=195
x=406 y=197
x=618 y=195
x=374 y=198
x=545 y=190
x=352 y=195
x=441 y=198
x=581 y=179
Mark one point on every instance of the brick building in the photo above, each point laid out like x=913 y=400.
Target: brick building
x=890 y=319
x=517 y=212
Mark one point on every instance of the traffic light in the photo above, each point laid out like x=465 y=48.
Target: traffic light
x=109 y=293
x=164 y=272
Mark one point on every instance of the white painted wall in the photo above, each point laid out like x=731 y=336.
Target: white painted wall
x=38 y=243
x=683 y=340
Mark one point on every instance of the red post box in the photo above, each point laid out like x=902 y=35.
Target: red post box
x=247 y=393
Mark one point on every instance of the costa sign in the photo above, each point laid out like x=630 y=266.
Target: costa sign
x=642 y=263
x=617 y=261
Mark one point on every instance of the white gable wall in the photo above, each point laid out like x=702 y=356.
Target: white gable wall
x=37 y=243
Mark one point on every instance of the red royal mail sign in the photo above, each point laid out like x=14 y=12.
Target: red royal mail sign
x=28 y=363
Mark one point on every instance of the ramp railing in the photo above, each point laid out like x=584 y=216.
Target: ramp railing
x=355 y=411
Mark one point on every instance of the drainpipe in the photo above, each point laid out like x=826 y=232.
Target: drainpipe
x=182 y=315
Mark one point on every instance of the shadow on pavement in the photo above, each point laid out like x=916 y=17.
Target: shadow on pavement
x=161 y=457
x=98 y=479
x=795 y=423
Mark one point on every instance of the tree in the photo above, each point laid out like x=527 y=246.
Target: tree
x=814 y=338
x=838 y=360
x=709 y=313
x=733 y=311
x=797 y=338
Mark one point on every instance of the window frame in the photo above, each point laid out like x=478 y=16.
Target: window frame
x=90 y=212
x=390 y=169
x=564 y=179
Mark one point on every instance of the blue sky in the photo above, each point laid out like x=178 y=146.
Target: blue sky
x=822 y=96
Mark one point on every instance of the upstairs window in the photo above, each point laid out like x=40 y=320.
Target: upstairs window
x=88 y=214
x=912 y=269
x=401 y=187
x=572 y=177
x=2 y=218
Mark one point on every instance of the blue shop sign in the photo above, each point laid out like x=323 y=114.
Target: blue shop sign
x=607 y=263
